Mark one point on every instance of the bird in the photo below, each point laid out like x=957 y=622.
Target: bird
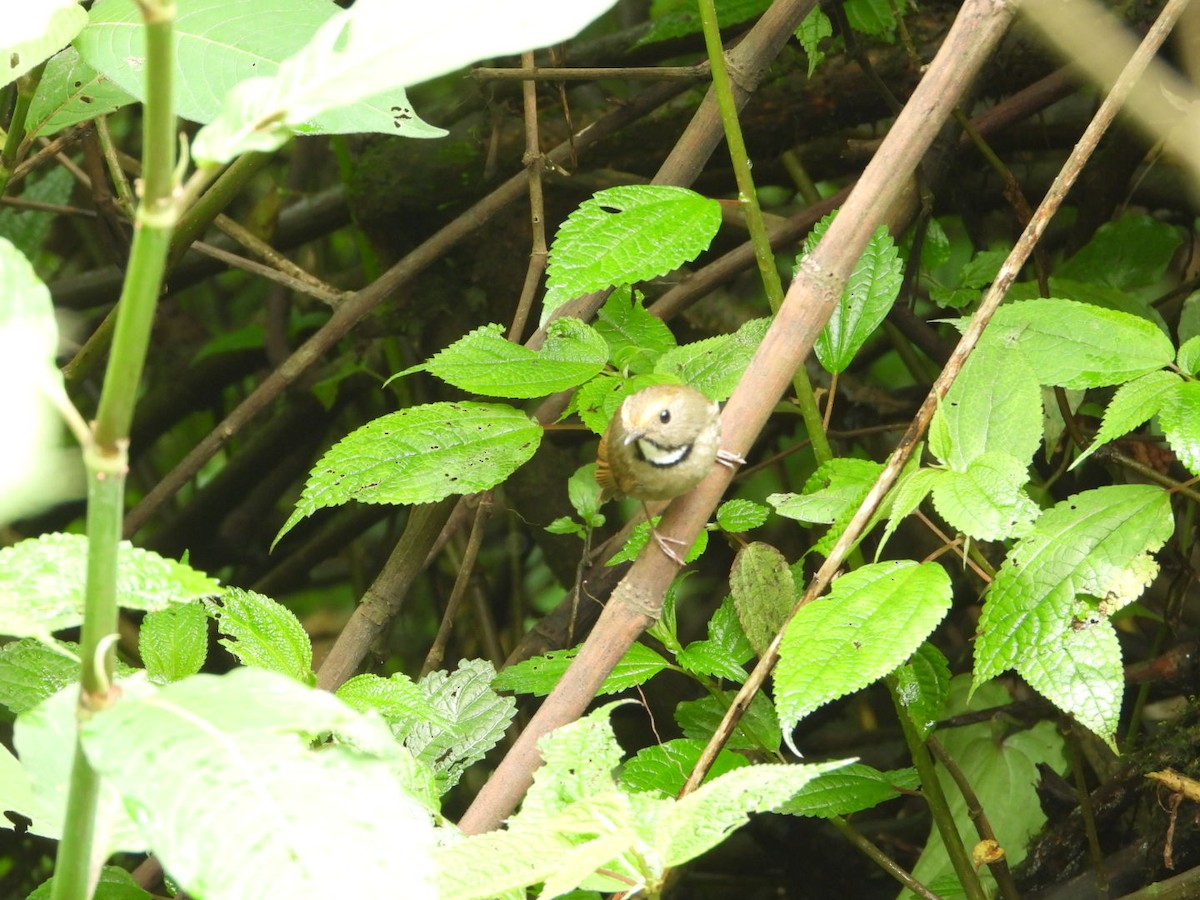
x=659 y=445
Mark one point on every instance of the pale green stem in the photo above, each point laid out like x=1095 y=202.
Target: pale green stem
x=105 y=456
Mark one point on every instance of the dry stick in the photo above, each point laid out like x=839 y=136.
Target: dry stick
x=437 y=651
x=353 y=310
x=637 y=601
x=752 y=55
x=531 y=73
x=1004 y=279
x=535 y=165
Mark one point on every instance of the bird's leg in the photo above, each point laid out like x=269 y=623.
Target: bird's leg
x=662 y=540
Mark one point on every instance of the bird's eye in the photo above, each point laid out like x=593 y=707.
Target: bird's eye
x=664 y=416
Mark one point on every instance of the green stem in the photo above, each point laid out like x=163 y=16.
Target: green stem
x=931 y=788
x=105 y=455
x=763 y=254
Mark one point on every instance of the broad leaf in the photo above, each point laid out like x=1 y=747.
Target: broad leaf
x=539 y=675
x=236 y=803
x=1134 y=403
x=870 y=622
x=1180 y=418
x=627 y=234
x=715 y=366
x=635 y=338
x=484 y=362
x=764 y=592
x=665 y=767
x=1132 y=252
x=988 y=500
x=70 y=91
x=34 y=31
x=173 y=642
x=922 y=686
x=42 y=583
x=1095 y=544
x=263 y=633
x=849 y=790
x=421 y=455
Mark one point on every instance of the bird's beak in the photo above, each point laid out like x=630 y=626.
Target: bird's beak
x=633 y=436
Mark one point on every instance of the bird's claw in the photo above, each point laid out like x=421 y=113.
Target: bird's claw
x=729 y=459
x=663 y=544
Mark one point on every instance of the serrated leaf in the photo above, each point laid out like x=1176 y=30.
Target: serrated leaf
x=764 y=593
x=627 y=234
x=994 y=404
x=757 y=730
x=849 y=790
x=870 y=622
x=812 y=30
x=674 y=19
x=641 y=536
x=225 y=763
x=598 y=400
x=988 y=500
x=42 y=583
x=868 y=295
x=873 y=17
x=477 y=717
x=1078 y=345
x=1188 y=357
x=1133 y=404
x=701 y=820
x=922 y=686
x=665 y=767
x=1082 y=675
x=737 y=516
x=28 y=229
x=715 y=366
x=485 y=362
x=1095 y=544
x=837 y=485
x=540 y=674
x=263 y=633
x=1132 y=252
x=35 y=31
x=31 y=671
x=396 y=698
x=173 y=642
x=1180 y=420
x=911 y=489
x=635 y=338
x=584 y=493
x=421 y=455
x=726 y=650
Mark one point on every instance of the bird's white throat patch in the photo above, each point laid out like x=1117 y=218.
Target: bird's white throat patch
x=662 y=456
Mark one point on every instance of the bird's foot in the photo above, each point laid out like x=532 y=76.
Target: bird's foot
x=664 y=543
x=729 y=459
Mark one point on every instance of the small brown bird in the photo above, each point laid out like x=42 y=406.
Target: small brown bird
x=659 y=445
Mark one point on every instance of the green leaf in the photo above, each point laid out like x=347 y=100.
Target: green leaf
x=33 y=32
x=263 y=633
x=715 y=366
x=1180 y=419
x=476 y=714
x=31 y=671
x=598 y=400
x=484 y=362
x=836 y=486
x=1083 y=675
x=993 y=405
x=764 y=593
x=869 y=294
x=1095 y=543
x=703 y=818
x=1077 y=345
x=873 y=17
x=988 y=500
x=665 y=767
x=115 y=884
x=34 y=471
x=641 y=536
x=1134 y=403
x=635 y=338
x=540 y=674
x=758 y=729
x=1188 y=357
x=225 y=763
x=1002 y=769
x=849 y=790
x=173 y=642
x=627 y=234
x=910 y=491
x=42 y=583
x=398 y=699
x=584 y=493
x=737 y=516
x=421 y=455
x=922 y=686
x=725 y=652
x=28 y=229
x=69 y=92
x=1132 y=252
x=870 y=622
x=672 y=18
x=814 y=29
x=348 y=74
